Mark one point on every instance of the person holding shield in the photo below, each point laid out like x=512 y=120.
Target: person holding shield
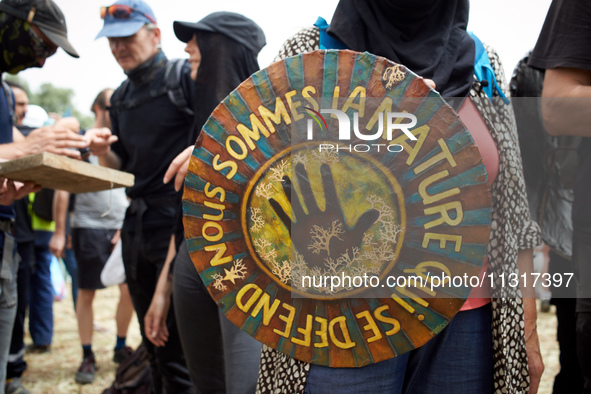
x=223 y=49
x=491 y=345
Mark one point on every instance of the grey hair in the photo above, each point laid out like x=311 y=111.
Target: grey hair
x=151 y=27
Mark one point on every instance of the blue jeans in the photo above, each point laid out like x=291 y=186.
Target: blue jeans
x=72 y=268
x=41 y=301
x=458 y=360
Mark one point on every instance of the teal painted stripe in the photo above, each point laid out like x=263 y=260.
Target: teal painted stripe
x=447 y=290
x=207 y=158
x=467 y=178
x=472 y=254
x=294 y=68
x=440 y=292
x=476 y=217
x=268 y=99
x=360 y=351
x=461 y=139
x=372 y=305
x=455 y=143
x=331 y=73
x=228 y=301
x=364 y=64
x=285 y=345
x=219 y=133
x=433 y=320
x=207 y=275
x=264 y=87
x=329 y=82
x=399 y=342
x=216 y=131
x=252 y=324
x=198 y=210
x=321 y=355
x=195 y=182
x=198 y=243
x=241 y=112
x=427 y=109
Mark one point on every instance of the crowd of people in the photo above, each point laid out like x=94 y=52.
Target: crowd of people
x=148 y=127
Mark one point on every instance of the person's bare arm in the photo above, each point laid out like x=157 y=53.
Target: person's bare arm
x=179 y=166
x=17 y=136
x=57 y=243
x=525 y=263
x=110 y=160
x=155 y=319
x=99 y=142
x=566 y=102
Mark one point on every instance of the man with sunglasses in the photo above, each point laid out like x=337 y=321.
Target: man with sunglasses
x=151 y=130
x=30 y=32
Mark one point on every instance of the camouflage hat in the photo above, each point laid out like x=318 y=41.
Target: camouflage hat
x=44 y=14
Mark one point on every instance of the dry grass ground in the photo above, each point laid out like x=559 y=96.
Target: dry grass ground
x=53 y=373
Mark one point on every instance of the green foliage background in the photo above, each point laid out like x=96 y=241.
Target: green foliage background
x=54 y=99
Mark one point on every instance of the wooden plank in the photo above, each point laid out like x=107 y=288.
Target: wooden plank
x=63 y=173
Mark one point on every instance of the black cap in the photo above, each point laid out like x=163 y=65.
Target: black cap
x=44 y=14
x=236 y=26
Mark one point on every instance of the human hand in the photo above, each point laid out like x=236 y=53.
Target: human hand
x=11 y=190
x=115 y=239
x=99 y=140
x=532 y=345
x=69 y=123
x=179 y=166
x=342 y=241
x=57 y=244
x=155 y=319
x=55 y=139
x=430 y=83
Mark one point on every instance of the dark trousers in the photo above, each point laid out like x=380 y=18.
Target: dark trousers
x=570 y=378
x=72 y=268
x=16 y=361
x=584 y=347
x=199 y=326
x=143 y=259
x=213 y=345
x=581 y=258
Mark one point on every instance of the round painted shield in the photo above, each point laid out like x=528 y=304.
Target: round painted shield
x=337 y=208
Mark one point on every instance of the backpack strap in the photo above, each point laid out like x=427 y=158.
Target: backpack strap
x=172 y=80
x=484 y=71
x=117 y=97
x=119 y=104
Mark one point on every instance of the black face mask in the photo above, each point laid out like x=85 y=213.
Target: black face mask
x=16 y=52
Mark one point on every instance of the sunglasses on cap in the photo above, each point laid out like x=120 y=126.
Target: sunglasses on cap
x=41 y=49
x=119 y=11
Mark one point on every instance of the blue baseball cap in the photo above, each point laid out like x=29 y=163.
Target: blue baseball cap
x=118 y=27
